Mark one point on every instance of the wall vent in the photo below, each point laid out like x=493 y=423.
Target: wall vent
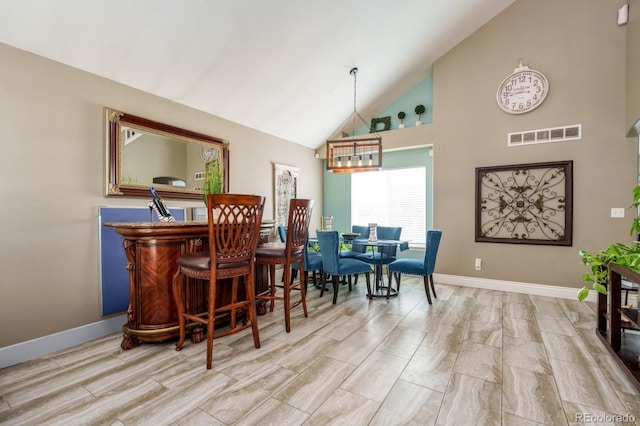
x=200 y=175
x=553 y=134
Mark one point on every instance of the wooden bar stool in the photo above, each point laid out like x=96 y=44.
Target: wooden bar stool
x=234 y=229
x=286 y=254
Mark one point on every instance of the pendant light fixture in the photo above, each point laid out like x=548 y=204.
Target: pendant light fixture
x=348 y=153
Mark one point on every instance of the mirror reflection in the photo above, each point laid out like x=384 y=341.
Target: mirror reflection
x=143 y=153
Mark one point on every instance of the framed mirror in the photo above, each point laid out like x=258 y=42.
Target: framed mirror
x=142 y=153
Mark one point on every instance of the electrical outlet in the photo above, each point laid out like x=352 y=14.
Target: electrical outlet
x=617 y=212
x=478 y=264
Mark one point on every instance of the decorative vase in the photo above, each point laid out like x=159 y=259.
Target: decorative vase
x=328 y=221
x=372 y=232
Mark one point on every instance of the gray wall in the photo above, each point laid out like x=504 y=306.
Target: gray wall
x=52 y=161
x=581 y=50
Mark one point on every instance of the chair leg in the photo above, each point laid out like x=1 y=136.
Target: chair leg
x=398 y=277
x=272 y=282
x=324 y=283
x=426 y=287
x=336 y=286
x=287 y=298
x=303 y=293
x=367 y=276
x=211 y=320
x=177 y=297
x=251 y=310
x=433 y=289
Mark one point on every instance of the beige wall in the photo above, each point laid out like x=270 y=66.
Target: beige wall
x=51 y=163
x=633 y=69
x=52 y=157
x=581 y=50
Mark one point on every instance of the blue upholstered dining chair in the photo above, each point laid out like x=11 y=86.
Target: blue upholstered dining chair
x=337 y=266
x=312 y=263
x=356 y=248
x=282 y=233
x=418 y=267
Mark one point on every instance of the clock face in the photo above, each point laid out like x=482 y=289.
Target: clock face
x=522 y=91
x=208 y=154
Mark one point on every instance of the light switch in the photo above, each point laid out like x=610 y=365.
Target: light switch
x=617 y=212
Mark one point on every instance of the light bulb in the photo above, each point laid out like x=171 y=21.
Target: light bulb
x=371 y=160
x=339 y=162
x=349 y=161
x=359 y=160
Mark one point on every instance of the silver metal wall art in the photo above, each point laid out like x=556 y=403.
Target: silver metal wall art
x=285 y=188
x=525 y=203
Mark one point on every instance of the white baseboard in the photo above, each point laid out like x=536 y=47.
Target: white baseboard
x=24 y=351
x=514 y=287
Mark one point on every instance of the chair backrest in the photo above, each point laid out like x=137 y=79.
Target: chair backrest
x=329 y=243
x=298 y=228
x=364 y=234
x=234 y=227
x=389 y=233
x=431 y=250
x=282 y=233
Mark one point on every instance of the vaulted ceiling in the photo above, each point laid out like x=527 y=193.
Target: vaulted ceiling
x=278 y=66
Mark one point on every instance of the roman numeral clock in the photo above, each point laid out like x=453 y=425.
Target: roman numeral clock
x=523 y=90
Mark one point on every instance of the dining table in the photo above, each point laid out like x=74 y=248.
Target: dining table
x=380 y=289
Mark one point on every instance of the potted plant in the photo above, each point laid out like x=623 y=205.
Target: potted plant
x=624 y=255
x=214 y=180
x=420 y=109
x=401 y=116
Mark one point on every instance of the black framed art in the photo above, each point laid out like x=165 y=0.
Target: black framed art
x=525 y=204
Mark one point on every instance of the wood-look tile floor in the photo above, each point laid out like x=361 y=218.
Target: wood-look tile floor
x=474 y=357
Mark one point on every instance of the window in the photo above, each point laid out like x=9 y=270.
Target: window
x=392 y=197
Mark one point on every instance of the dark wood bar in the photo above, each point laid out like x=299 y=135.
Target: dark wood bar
x=151 y=249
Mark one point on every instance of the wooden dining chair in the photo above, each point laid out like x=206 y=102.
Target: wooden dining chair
x=287 y=254
x=234 y=230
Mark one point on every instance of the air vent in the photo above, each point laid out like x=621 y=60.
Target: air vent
x=200 y=175
x=553 y=134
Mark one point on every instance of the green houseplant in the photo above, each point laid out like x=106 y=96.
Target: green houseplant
x=620 y=254
x=214 y=180
x=420 y=109
x=401 y=116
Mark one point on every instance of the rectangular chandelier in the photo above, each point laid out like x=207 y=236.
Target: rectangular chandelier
x=354 y=155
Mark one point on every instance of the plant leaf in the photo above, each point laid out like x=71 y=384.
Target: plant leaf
x=583 y=293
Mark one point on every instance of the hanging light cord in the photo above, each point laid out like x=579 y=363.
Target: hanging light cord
x=354 y=73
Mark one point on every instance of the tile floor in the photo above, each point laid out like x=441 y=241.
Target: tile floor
x=474 y=357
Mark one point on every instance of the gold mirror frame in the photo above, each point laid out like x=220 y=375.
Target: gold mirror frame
x=115 y=185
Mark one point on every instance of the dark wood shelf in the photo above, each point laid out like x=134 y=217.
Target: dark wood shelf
x=620 y=332
x=632 y=315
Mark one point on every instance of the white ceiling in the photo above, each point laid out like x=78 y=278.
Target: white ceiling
x=279 y=66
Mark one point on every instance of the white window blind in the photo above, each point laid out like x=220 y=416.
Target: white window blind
x=392 y=197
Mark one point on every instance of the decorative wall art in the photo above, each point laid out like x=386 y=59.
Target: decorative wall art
x=285 y=188
x=385 y=121
x=525 y=203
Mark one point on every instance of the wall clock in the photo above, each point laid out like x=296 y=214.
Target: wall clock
x=523 y=90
